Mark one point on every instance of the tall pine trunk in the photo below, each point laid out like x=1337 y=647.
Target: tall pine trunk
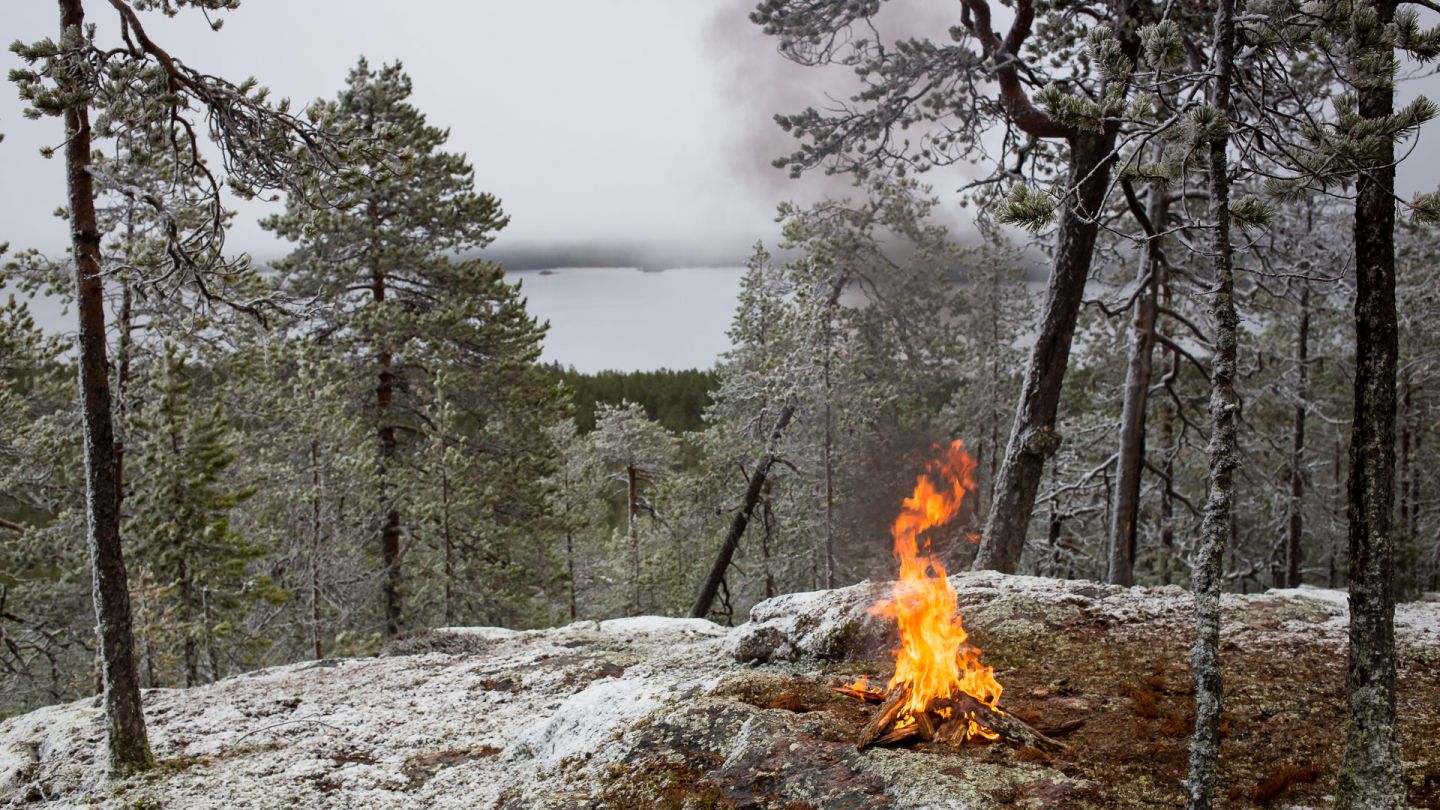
x=316 y=526
x=1294 y=524
x=390 y=520
x=449 y=543
x=1370 y=773
x=1130 y=455
x=127 y=746
x=1032 y=436
x=1216 y=523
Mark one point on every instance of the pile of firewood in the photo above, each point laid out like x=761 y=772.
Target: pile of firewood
x=945 y=720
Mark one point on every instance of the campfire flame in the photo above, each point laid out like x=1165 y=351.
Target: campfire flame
x=934 y=660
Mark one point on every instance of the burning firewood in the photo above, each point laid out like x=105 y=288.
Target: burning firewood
x=925 y=726
x=1008 y=726
x=935 y=657
x=884 y=717
x=951 y=721
x=861 y=689
x=898 y=734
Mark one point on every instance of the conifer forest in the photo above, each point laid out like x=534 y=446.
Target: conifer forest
x=1074 y=443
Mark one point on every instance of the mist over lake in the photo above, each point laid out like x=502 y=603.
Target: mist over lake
x=627 y=319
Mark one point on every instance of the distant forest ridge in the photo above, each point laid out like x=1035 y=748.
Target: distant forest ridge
x=676 y=399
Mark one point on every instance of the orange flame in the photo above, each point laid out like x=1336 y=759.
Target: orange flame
x=934 y=658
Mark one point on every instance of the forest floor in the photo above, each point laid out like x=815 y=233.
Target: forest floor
x=681 y=713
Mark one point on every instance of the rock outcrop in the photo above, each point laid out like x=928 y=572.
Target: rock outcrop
x=680 y=713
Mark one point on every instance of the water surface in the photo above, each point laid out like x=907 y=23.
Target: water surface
x=628 y=319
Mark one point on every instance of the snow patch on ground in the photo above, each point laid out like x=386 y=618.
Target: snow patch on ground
x=662 y=625
x=1327 y=596
x=487 y=633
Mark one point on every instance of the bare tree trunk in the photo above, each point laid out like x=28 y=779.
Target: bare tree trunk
x=1215 y=524
x=390 y=526
x=767 y=521
x=315 y=530
x=570 y=569
x=127 y=746
x=187 y=624
x=829 y=485
x=1294 y=526
x=632 y=510
x=828 y=450
x=449 y=545
x=1130 y=456
x=1052 y=536
x=1413 y=527
x=1370 y=773
x=742 y=518
x=1032 y=436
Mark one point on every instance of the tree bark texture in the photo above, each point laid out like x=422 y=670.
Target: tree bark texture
x=1130 y=455
x=1370 y=772
x=1294 y=524
x=1032 y=436
x=1215 y=525
x=127 y=745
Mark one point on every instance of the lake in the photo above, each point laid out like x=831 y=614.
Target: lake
x=628 y=319
x=600 y=317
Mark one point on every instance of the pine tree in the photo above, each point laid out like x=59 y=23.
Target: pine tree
x=395 y=292
x=865 y=335
x=292 y=405
x=140 y=87
x=1058 y=98
x=637 y=452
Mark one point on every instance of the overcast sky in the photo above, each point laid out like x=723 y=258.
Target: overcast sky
x=623 y=122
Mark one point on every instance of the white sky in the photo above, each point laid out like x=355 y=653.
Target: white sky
x=624 y=121
x=641 y=123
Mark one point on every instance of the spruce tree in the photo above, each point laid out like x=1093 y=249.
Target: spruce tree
x=47 y=652
x=180 y=522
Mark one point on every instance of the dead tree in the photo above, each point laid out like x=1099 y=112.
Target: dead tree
x=1130 y=455
x=742 y=518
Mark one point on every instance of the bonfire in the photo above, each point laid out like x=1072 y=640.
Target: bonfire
x=941 y=690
